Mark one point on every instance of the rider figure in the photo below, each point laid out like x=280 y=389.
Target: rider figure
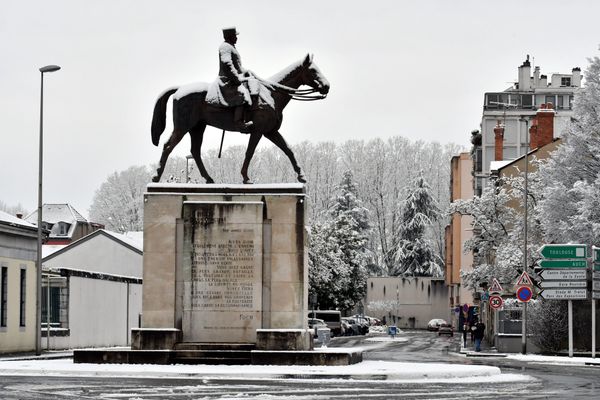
x=238 y=86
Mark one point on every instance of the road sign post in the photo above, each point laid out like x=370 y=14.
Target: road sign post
x=564 y=277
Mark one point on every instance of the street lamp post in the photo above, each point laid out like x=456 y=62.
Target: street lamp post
x=38 y=301
x=524 y=316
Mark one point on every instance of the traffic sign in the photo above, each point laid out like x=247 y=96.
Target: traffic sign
x=524 y=294
x=595 y=295
x=595 y=274
x=496 y=287
x=524 y=280
x=564 y=294
x=562 y=251
x=595 y=285
x=565 y=284
x=562 y=263
x=496 y=301
x=564 y=274
x=596 y=254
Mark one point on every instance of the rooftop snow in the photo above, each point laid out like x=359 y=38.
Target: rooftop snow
x=12 y=220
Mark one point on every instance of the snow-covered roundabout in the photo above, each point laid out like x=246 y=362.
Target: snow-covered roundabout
x=366 y=370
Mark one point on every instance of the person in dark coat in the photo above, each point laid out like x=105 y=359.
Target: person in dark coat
x=478 y=334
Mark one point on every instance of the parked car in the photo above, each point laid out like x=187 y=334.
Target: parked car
x=435 y=323
x=445 y=329
x=352 y=327
x=332 y=318
x=315 y=324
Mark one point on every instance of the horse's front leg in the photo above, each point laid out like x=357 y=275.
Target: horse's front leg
x=175 y=138
x=252 y=143
x=197 y=136
x=280 y=142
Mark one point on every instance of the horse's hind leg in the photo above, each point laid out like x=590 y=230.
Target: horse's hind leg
x=280 y=142
x=197 y=135
x=252 y=143
x=175 y=138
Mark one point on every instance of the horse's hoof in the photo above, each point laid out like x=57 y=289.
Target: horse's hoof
x=155 y=179
x=301 y=178
x=209 y=180
x=248 y=182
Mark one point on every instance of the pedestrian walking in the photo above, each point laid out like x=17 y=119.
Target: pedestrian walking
x=479 y=333
x=465 y=330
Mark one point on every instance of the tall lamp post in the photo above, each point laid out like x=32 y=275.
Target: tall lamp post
x=38 y=301
x=524 y=316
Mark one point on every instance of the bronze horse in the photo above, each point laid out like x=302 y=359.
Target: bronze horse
x=191 y=113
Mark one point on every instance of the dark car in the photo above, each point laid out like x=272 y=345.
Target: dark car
x=445 y=329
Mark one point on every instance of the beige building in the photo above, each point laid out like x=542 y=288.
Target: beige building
x=18 y=252
x=458 y=232
x=407 y=302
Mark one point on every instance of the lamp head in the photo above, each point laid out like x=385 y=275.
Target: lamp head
x=49 y=68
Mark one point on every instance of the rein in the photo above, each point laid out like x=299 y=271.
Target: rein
x=296 y=94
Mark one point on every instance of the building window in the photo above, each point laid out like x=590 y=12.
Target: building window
x=565 y=81
x=23 y=296
x=3 y=296
x=527 y=100
x=63 y=228
x=551 y=99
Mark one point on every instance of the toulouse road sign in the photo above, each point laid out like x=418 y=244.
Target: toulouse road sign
x=563 y=251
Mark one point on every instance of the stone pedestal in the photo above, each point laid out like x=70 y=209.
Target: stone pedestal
x=222 y=261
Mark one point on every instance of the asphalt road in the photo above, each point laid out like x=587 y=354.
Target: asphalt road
x=556 y=382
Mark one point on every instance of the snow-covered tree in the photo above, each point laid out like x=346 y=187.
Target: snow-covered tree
x=338 y=253
x=119 y=202
x=415 y=253
x=569 y=210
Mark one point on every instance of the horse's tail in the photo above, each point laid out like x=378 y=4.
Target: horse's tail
x=159 y=115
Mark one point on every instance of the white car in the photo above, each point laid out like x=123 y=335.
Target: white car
x=435 y=323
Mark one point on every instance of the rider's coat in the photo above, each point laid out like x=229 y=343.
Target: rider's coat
x=229 y=89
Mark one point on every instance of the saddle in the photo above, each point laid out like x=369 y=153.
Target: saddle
x=225 y=96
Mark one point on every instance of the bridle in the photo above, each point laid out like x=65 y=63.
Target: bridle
x=296 y=94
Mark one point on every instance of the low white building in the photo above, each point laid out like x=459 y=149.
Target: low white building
x=409 y=302
x=18 y=253
x=93 y=291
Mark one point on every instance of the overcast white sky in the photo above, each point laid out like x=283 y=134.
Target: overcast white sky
x=417 y=69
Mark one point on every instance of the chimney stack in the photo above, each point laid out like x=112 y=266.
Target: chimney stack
x=525 y=75
x=499 y=141
x=542 y=128
x=576 y=81
x=19 y=215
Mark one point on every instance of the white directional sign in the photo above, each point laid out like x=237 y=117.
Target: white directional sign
x=564 y=294
x=596 y=274
x=564 y=274
x=595 y=285
x=595 y=295
x=565 y=284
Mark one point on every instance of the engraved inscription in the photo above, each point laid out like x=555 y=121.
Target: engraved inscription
x=223 y=274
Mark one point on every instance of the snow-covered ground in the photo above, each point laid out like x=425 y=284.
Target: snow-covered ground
x=561 y=360
x=393 y=371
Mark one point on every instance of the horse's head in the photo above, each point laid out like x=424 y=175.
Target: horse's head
x=313 y=77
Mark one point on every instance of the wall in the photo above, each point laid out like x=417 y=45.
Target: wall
x=99 y=317
x=412 y=301
x=18 y=250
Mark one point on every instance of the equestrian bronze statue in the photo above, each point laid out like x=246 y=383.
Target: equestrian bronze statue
x=197 y=105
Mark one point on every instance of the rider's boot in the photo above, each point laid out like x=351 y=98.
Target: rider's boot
x=238 y=120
